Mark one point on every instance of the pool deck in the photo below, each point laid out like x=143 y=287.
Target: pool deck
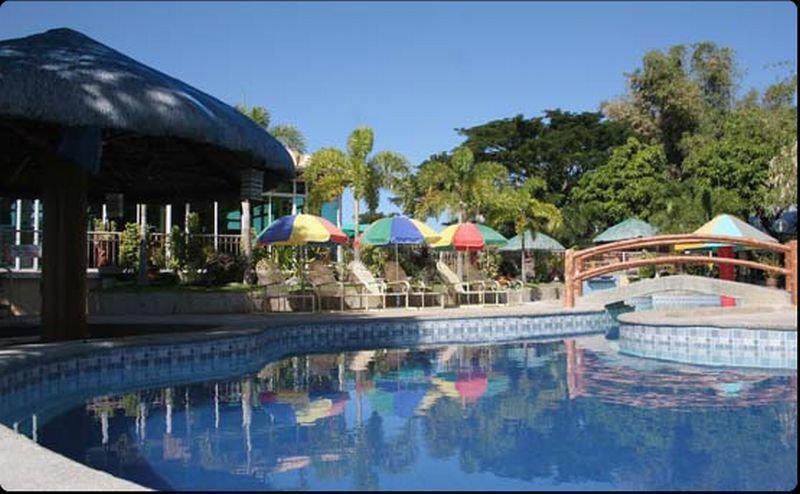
x=758 y=317
x=24 y=465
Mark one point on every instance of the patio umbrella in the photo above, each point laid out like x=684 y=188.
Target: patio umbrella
x=301 y=229
x=730 y=226
x=531 y=241
x=630 y=228
x=407 y=400
x=396 y=231
x=79 y=120
x=468 y=237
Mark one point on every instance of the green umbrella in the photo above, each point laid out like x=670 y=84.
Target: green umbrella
x=531 y=241
x=630 y=228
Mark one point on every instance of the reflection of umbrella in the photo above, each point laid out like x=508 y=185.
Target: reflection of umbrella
x=630 y=228
x=445 y=387
x=471 y=386
x=338 y=399
x=297 y=398
x=381 y=401
x=469 y=236
x=406 y=401
x=497 y=384
x=301 y=229
x=316 y=409
x=730 y=226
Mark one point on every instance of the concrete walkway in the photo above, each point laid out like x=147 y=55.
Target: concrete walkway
x=753 y=317
x=26 y=466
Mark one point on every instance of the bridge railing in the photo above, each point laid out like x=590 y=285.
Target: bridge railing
x=575 y=273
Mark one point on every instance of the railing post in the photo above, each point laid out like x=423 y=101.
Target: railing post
x=790 y=263
x=569 y=282
x=577 y=264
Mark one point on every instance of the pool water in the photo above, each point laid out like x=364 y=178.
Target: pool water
x=565 y=414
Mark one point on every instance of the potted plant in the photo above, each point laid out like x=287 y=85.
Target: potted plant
x=771 y=279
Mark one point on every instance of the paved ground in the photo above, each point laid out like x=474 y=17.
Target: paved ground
x=764 y=317
x=24 y=465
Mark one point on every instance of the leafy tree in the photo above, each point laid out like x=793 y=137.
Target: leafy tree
x=558 y=147
x=458 y=185
x=628 y=185
x=782 y=179
x=674 y=92
x=524 y=209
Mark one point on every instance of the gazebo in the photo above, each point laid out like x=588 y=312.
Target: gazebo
x=79 y=120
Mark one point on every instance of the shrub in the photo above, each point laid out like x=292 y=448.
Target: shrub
x=129 y=248
x=223 y=268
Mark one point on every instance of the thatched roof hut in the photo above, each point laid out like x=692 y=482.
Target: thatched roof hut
x=161 y=138
x=79 y=119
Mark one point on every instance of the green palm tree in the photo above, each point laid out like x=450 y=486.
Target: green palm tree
x=522 y=207
x=288 y=135
x=458 y=185
x=330 y=171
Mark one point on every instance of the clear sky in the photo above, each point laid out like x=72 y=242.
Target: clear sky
x=414 y=71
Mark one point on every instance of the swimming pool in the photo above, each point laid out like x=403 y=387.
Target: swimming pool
x=464 y=410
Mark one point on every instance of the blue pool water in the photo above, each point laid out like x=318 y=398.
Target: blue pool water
x=562 y=414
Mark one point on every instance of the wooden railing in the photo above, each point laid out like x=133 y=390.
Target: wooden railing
x=575 y=261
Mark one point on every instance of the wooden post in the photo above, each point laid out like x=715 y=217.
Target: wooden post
x=64 y=252
x=247 y=246
x=569 y=282
x=143 y=254
x=578 y=267
x=64 y=190
x=790 y=263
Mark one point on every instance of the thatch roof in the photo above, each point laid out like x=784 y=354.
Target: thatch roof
x=161 y=137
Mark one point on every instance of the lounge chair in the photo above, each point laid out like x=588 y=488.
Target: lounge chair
x=325 y=284
x=492 y=288
x=277 y=287
x=461 y=290
x=370 y=288
x=393 y=272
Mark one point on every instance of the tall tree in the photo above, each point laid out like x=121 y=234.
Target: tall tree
x=558 y=147
x=458 y=185
x=288 y=135
x=330 y=171
x=628 y=185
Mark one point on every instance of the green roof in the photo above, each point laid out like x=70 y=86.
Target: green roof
x=630 y=228
x=533 y=241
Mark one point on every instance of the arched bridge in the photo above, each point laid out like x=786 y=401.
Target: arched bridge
x=750 y=294
x=575 y=274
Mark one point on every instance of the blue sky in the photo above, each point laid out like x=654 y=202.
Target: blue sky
x=414 y=71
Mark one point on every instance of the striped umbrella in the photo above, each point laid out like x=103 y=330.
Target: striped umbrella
x=469 y=236
x=730 y=226
x=396 y=231
x=301 y=229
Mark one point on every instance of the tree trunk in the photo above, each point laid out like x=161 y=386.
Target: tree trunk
x=355 y=225
x=522 y=253
x=339 y=215
x=64 y=252
x=247 y=244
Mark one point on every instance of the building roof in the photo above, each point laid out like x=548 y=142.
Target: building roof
x=63 y=78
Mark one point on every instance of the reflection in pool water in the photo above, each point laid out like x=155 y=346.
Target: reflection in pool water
x=569 y=414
